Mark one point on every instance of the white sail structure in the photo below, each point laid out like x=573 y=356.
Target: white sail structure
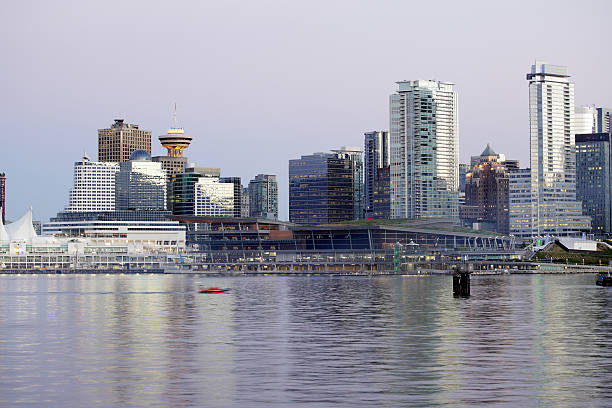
x=22 y=229
x=4 y=236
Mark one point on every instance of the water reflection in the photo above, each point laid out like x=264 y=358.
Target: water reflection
x=123 y=340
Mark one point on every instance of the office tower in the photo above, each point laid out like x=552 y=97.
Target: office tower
x=486 y=191
x=375 y=156
x=94 y=186
x=522 y=205
x=464 y=168
x=140 y=184
x=237 y=193
x=3 y=197
x=354 y=154
x=593 y=182
x=263 y=197
x=603 y=120
x=183 y=188
x=424 y=150
x=552 y=152
x=244 y=203
x=117 y=143
x=213 y=199
x=321 y=189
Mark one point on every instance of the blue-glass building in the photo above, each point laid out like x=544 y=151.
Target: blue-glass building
x=593 y=182
x=321 y=189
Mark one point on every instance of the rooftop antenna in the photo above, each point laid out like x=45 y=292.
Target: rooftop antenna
x=175 y=115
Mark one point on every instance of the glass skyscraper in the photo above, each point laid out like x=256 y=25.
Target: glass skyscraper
x=593 y=182
x=424 y=150
x=321 y=189
x=140 y=184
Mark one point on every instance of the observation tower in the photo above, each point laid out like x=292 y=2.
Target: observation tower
x=175 y=141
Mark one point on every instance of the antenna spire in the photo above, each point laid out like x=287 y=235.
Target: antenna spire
x=175 y=115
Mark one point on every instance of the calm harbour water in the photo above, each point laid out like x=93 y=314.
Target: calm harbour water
x=151 y=340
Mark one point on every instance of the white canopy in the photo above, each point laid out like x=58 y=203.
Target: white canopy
x=22 y=229
x=4 y=236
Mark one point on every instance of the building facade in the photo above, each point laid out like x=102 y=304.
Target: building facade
x=376 y=155
x=182 y=187
x=424 y=146
x=355 y=155
x=522 y=207
x=140 y=184
x=237 y=183
x=244 y=203
x=117 y=143
x=94 y=186
x=321 y=189
x=593 y=180
x=212 y=198
x=3 y=197
x=603 y=120
x=263 y=197
x=381 y=202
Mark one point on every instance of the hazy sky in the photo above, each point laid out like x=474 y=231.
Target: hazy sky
x=260 y=82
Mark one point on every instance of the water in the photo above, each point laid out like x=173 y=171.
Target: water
x=151 y=340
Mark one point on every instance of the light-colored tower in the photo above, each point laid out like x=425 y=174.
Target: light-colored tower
x=213 y=199
x=552 y=152
x=117 y=143
x=94 y=186
x=424 y=137
x=140 y=184
x=263 y=197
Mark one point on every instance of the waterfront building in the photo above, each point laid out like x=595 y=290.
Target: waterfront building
x=212 y=198
x=244 y=203
x=593 y=180
x=117 y=143
x=376 y=155
x=182 y=196
x=140 y=184
x=424 y=147
x=237 y=183
x=321 y=189
x=263 y=197
x=486 y=191
x=354 y=154
x=552 y=153
x=94 y=186
x=3 y=197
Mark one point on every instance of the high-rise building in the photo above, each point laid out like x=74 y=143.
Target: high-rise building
x=486 y=191
x=182 y=197
x=593 y=179
x=117 y=143
x=376 y=155
x=213 y=199
x=464 y=168
x=552 y=153
x=140 y=184
x=424 y=137
x=321 y=189
x=237 y=193
x=585 y=119
x=603 y=120
x=94 y=186
x=381 y=202
x=354 y=154
x=522 y=206
x=263 y=196
x=244 y=203
x=3 y=197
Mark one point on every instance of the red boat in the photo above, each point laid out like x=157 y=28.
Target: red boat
x=215 y=290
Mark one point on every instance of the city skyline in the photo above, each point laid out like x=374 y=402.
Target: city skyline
x=59 y=86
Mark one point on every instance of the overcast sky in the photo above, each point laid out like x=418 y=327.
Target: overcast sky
x=260 y=82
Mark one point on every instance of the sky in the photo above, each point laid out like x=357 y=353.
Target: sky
x=257 y=83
